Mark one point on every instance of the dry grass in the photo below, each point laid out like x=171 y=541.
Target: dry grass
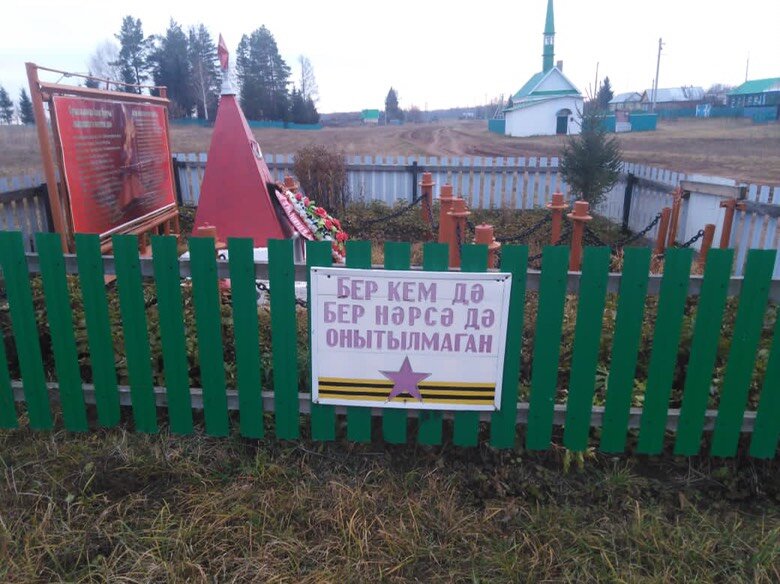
x=724 y=147
x=119 y=506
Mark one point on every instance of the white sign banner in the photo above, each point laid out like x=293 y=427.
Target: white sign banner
x=411 y=340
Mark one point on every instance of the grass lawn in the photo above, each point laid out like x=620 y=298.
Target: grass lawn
x=115 y=505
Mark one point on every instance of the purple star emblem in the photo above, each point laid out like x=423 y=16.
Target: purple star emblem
x=405 y=380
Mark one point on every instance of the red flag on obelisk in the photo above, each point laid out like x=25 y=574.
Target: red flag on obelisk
x=234 y=197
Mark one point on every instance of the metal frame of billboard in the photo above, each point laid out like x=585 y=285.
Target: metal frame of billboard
x=164 y=220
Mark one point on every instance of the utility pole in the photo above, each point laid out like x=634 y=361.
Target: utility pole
x=657 y=68
x=747 y=67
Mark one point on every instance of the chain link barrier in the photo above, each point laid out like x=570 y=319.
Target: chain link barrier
x=394 y=214
x=692 y=240
x=565 y=233
x=526 y=232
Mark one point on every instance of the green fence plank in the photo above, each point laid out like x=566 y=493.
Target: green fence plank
x=429 y=422
x=763 y=443
x=742 y=354
x=359 y=419
x=99 y=338
x=169 y=305
x=466 y=427
x=547 y=345
x=587 y=339
x=59 y=315
x=394 y=421
x=8 y=419
x=323 y=418
x=666 y=341
x=249 y=372
x=25 y=329
x=281 y=270
x=134 y=326
x=704 y=350
x=208 y=322
x=625 y=345
x=503 y=424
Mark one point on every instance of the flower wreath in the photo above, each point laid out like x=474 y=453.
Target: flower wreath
x=313 y=222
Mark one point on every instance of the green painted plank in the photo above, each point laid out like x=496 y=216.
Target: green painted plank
x=25 y=329
x=466 y=426
x=249 y=372
x=429 y=422
x=323 y=418
x=169 y=305
x=587 y=339
x=547 y=345
x=503 y=425
x=359 y=419
x=625 y=345
x=394 y=423
x=763 y=443
x=133 y=312
x=666 y=342
x=284 y=346
x=99 y=339
x=742 y=354
x=704 y=350
x=208 y=323
x=8 y=419
x=59 y=315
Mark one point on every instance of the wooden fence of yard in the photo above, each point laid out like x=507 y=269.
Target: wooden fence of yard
x=150 y=290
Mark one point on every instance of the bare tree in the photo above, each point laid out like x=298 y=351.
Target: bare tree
x=309 y=89
x=102 y=63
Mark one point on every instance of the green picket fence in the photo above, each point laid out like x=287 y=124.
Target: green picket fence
x=584 y=424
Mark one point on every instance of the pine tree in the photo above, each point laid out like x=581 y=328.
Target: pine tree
x=25 y=108
x=91 y=83
x=6 y=107
x=170 y=65
x=590 y=161
x=392 y=111
x=604 y=96
x=206 y=77
x=297 y=107
x=312 y=115
x=133 y=53
x=263 y=77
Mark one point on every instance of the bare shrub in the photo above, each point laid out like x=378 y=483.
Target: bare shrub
x=322 y=174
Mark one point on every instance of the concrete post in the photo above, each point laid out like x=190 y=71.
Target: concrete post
x=556 y=208
x=458 y=217
x=446 y=227
x=663 y=229
x=578 y=218
x=483 y=234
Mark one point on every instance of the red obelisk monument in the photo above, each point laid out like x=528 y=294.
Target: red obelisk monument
x=234 y=197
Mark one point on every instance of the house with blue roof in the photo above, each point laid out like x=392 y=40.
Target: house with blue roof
x=549 y=103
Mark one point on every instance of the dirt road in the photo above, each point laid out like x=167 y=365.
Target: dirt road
x=732 y=148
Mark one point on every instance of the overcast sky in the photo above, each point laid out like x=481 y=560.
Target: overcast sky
x=436 y=54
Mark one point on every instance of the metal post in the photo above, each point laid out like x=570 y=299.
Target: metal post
x=458 y=216
x=426 y=209
x=55 y=203
x=706 y=242
x=578 y=218
x=415 y=170
x=663 y=228
x=483 y=234
x=630 y=181
x=675 y=219
x=731 y=206
x=556 y=208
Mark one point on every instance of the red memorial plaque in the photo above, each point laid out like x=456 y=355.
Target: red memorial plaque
x=117 y=161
